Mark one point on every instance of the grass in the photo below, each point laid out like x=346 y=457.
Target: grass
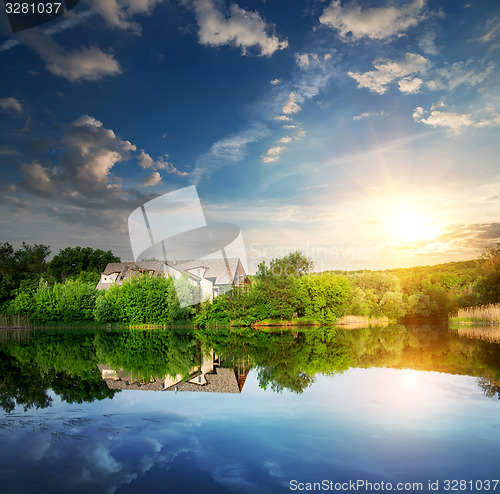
x=485 y=314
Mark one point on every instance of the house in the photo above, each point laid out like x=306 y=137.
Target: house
x=118 y=272
x=210 y=376
x=213 y=276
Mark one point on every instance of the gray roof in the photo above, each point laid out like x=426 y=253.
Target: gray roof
x=220 y=380
x=216 y=269
x=118 y=267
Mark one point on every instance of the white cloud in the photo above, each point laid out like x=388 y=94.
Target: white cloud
x=91 y=153
x=145 y=161
x=238 y=27
x=376 y=23
x=307 y=60
x=492 y=30
x=387 y=71
x=291 y=105
x=428 y=43
x=286 y=139
x=302 y=60
x=153 y=179
x=227 y=151
x=11 y=105
x=91 y=64
x=118 y=13
x=364 y=115
x=87 y=120
x=410 y=85
x=460 y=73
x=282 y=118
x=275 y=82
x=454 y=122
x=418 y=114
x=273 y=154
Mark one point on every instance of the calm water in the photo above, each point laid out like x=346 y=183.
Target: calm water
x=249 y=412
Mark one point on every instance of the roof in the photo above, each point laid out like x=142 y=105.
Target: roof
x=216 y=269
x=118 y=267
x=220 y=380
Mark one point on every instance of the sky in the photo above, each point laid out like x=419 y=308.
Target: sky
x=363 y=133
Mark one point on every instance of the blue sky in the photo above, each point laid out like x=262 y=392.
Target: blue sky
x=363 y=133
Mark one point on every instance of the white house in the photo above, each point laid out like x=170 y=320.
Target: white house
x=213 y=276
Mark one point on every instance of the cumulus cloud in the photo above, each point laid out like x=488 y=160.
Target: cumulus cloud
x=237 y=27
x=39 y=178
x=151 y=180
x=291 y=105
x=455 y=123
x=282 y=118
x=353 y=23
x=162 y=163
x=84 y=170
x=11 y=104
x=91 y=64
x=410 y=85
x=275 y=82
x=81 y=64
x=273 y=154
x=387 y=71
x=460 y=73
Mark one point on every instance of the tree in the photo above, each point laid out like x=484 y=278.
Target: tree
x=23 y=265
x=294 y=264
x=323 y=297
x=491 y=259
x=73 y=260
x=392 y=305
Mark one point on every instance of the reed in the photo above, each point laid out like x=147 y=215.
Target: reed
x=15 y=322
x=489 y=314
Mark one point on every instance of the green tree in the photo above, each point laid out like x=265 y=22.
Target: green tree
x=392 y=305
x=23 y=265
x=73 y=260
x=323 y=297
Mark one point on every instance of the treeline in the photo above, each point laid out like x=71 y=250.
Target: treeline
x=23 y=270
x=285 y=290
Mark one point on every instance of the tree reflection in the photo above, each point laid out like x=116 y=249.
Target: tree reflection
x=71 y=363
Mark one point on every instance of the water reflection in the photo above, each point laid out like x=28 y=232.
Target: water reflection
x=86 y=365
x=378 y=404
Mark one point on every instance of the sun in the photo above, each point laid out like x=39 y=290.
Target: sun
x=410 y=225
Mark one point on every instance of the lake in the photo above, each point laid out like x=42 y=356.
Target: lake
x=407 y=409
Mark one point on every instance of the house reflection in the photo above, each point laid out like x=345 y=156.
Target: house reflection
x=213 y=375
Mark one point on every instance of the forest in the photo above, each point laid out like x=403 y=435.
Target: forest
x=286 y=289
